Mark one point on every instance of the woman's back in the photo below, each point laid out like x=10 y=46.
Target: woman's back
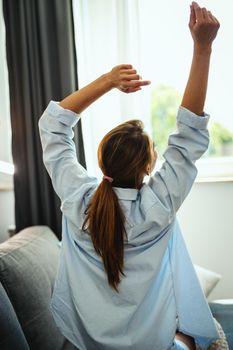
x=146 y=311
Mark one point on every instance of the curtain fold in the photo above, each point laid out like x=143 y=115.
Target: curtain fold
x=42 y=65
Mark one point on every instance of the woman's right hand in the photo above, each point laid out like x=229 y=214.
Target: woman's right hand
x=203 y=26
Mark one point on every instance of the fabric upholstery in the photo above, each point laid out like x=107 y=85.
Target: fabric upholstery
x=208 y=279
x=28 y=265
x=11 y=334
x=223 y=312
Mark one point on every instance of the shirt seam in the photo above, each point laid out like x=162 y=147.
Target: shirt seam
x=173 y=287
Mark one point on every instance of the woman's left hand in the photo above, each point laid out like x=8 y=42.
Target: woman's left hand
x=125 y=78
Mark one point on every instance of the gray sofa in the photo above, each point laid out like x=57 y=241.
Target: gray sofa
x=28 y=265
x=223 y=312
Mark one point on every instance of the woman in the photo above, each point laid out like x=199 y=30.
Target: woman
x=125 y=278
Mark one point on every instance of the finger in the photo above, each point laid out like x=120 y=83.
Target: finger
x=205 y=13
x=210 y=15
x=130 y=77
x=128 y=71
x=192 y=18
x=125 y=72
x=216 y=20
x=198 y=12
x=129 y=90
x=144 y=82
x=137 y=83
x=125 y=66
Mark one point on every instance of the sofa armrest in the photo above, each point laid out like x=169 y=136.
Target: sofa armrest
x=28 y=267
x=222 y=310
x=11 y=334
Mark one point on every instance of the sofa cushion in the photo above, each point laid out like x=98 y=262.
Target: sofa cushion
x=208 y=279
x=28 y=265
x=11 y=334
x=222 y=310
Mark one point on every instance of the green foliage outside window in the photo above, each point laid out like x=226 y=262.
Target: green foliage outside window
x=165 y=102
x=164 y=107
x=221 y=143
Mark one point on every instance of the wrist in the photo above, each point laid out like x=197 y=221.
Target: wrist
x=202 y=50
x=109 y=84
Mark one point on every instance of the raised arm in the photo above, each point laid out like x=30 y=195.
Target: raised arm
x=204 y=27
x=175 y=179
x=123 y=77
x=70 y=180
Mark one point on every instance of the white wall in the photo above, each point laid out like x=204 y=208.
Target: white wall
x=7 y=212
x=206 y=219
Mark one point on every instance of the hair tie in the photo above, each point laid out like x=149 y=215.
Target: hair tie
x=108 y=178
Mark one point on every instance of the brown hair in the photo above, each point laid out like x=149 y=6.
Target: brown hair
x=123 y=154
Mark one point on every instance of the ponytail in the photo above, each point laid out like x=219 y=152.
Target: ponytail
x=124 y=154
x=105 y=223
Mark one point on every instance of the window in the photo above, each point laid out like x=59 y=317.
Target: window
x=6 y=166
x=154 y=37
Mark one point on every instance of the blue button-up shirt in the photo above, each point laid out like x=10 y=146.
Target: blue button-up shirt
x=160 y=292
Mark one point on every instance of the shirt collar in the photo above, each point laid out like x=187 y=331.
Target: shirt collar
x=129 y=194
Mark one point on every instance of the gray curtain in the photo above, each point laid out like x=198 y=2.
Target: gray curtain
x=42 y=67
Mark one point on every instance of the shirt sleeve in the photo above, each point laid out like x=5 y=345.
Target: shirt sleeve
x=70 y=180
x=173 y=181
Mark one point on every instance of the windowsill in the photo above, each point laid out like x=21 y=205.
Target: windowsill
x=6 y=182
x=212 y=169
x=6 y=176
x=210 y=179
x=215 y=169
x=209 y=170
